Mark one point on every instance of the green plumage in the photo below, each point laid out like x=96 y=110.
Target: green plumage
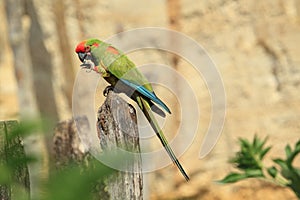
x=117 y=69
x=119 y=65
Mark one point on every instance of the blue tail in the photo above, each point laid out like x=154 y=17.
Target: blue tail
x=151 y=95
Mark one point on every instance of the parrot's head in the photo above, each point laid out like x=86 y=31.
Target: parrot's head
x=84 y=51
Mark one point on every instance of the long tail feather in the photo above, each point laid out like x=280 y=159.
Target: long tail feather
x=150 y=117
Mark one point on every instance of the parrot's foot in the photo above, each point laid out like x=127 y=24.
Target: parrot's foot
x=107 y=89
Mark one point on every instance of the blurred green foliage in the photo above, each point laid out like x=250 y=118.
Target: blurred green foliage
x=14 y=176
x=249 y=162
x=75 y=181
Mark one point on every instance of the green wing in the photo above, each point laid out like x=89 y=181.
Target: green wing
x=121 y=67
x=124 y=69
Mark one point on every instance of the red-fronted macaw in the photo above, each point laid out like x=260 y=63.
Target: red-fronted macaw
x=122 y=74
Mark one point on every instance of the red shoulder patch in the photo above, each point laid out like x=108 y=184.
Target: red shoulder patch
x=80 y=47
x=96 y=44
x=112 y=50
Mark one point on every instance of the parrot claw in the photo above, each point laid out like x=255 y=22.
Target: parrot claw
x=107 y=89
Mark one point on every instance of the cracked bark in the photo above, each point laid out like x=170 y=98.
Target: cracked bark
x=117 y=129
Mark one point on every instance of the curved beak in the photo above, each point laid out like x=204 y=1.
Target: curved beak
x=81 y=56
x=86 y=59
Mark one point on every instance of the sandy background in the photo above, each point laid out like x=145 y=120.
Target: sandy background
x=255 y=46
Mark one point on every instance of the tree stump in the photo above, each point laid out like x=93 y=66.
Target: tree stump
x=11 y=156
x=117 y=128
x=67 y=146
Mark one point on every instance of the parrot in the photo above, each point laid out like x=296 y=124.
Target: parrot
x=124 y=77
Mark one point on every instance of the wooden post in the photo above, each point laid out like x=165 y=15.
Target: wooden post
x=11 y=151
x=117 y=128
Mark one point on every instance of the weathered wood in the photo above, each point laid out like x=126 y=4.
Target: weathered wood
x=11 y=151
x=117 y=128
x=67 y=146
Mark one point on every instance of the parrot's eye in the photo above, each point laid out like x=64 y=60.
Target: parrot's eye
x=88 y=49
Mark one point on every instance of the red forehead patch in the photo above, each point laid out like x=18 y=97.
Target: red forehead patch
x=112 y=50
x=80 y=47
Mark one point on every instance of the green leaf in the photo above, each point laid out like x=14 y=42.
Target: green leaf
x=258 y=144
x=232 y=178
x=293 y=154
x=251 y=154
x=249 y=160
x=5 y=175
x=256 y=141
x=281 y=163
x=264 y=152
x=248 y=164
x=251 y=173
x=272 y=171
x=244 y=143
x=71 y=183
x=24 y=129
x=297 y=146
x=288 y=151
x=297 y=170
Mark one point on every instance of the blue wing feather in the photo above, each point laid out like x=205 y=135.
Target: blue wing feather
x=151 y=95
